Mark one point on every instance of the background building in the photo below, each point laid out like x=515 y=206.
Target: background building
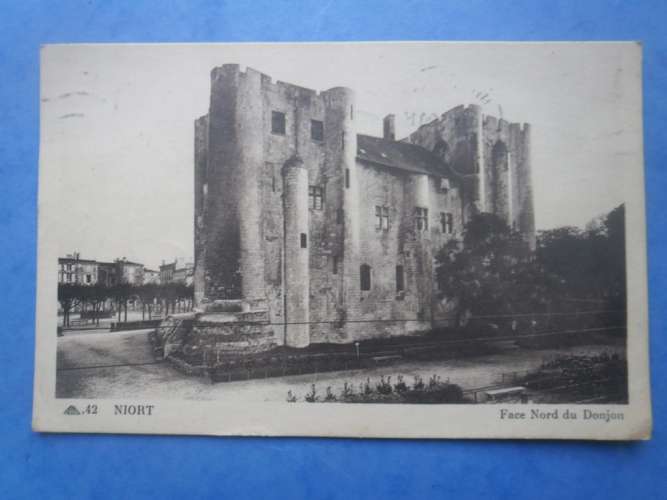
x=72 y=269
x=129 y=272
x=178 y=271
x=151 y=276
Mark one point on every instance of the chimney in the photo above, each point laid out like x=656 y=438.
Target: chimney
x=389 y=127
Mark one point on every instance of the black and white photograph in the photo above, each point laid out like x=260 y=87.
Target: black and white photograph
x=400 y=239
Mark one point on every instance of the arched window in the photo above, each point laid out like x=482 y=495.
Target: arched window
x=499 y=179
x=365 y=277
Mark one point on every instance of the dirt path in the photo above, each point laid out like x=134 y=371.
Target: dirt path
x=89 y=368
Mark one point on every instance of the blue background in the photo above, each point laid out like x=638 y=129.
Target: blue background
x=60 y=466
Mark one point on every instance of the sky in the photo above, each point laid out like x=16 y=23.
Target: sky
x=117 y=123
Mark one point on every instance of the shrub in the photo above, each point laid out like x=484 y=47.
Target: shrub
x=418 y=383
x=384 y=387
x=348 y=390
x=291 y=398
x=329 y=395
x=400 y=385
x=311 y=397
x=367 y=387
x=434 y=381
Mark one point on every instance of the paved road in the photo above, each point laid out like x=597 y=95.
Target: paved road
x=122 y=365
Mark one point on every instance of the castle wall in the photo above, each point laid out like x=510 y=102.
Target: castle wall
x=384 y=311
x=491 y=157
x=454 y=137
x=255 y=196
x=506 y=149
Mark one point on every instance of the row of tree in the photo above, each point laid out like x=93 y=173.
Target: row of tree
x=98 y=299
x=490 y=273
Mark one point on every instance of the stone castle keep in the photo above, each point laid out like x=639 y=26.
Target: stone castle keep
x=320 y=234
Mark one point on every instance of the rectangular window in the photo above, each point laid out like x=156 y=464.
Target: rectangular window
x=339 y=216
x=335 y=264
x=88 y=278
x=365 y=277
x=400 y=279
x=277 y=122
x=316 y=130
x=347 y=177
x=421 y=219
x=304 y=240
x=446 y=222
x=315 y=197
x=382 y=218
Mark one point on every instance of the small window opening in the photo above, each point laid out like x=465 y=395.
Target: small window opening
x=421 y=218
x=277 y=122
x=315 y=197
x=365 y=277
x=447 y=222
x=304 y=240
x=382 y=218
x=316 y=130
x=400 y=279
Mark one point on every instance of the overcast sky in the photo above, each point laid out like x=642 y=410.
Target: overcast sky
x=117 y=123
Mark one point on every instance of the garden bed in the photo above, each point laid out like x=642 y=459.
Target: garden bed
x=384 y=391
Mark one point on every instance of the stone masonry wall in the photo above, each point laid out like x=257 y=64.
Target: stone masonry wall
x=491 y=157
x=251 y=199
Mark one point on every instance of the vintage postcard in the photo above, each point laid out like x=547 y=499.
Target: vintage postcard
x=396 y=240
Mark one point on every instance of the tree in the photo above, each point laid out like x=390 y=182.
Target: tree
x=69 y=296
x=488 y=272
x=95 y=295
x=147 y=294
x=121 y=294
x=591 y=262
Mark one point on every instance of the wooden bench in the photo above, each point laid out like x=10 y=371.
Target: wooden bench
x=498 y=394
x=381 y=360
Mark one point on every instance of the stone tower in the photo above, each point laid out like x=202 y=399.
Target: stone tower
x=258 y=152
x=229 y=254
x=296 y=261
x=491 y=157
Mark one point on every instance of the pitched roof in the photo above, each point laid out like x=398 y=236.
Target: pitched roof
x=73 y=259
x=400 y=155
